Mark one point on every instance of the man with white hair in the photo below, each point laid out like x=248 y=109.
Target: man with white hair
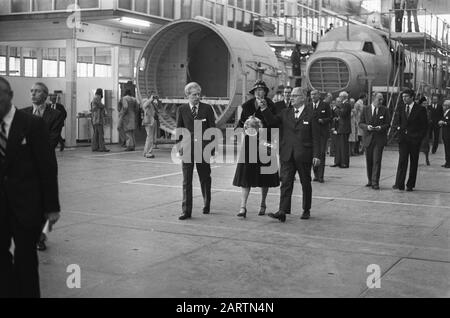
x=343 y=111
x=299 y=152
x=187 y=115
x=445 y=124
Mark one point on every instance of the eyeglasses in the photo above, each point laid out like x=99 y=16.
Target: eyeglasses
x=295 y=95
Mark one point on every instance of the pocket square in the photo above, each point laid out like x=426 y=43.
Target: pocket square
x=305 y=123
x=203 y=120
x=323 y=111
x=382 y=117
x=24 y=141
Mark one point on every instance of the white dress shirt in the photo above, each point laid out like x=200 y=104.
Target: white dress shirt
x=299 y=112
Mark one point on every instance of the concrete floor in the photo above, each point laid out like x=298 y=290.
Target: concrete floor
x=120 y=225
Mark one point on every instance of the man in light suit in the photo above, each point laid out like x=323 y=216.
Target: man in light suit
x=187 y=115
x=411 y=123
x=98 y=111
x=52 y=117
x=299 y=151
x=28 y=195
x=375 y=123
x=127 y=116
x=322 y=117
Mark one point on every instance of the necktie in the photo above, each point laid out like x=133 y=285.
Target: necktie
x=408 y=110
x=194 y=112
x=374 y=113
x=36 y=112
x=3 y=140
x=297 y=113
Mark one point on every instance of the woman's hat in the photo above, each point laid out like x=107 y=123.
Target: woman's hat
x=99 y=92
x=260 y=84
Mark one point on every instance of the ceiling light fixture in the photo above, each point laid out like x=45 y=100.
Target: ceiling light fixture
x=135 y=22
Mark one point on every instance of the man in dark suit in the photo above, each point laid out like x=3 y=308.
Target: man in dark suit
x=375 y=122
x=299 y=151
x=191 y=149
x=445 y=124
x=411 y=122
x=28 y=195
x=52 y=117
x=322 y=117
x=436 y=113
x=344 y=128
x=286 y=102
x=62 y=110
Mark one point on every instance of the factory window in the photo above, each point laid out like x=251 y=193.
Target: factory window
x=103 y=62
x=368 y=47
x=50 y=63
x=30 y=62
x=248 y=5
x=86 y=4
x=20 y=6
x=85 y=65
x=155 y=7
x=42 y=5
x=5 y=7
x=186 y=9
x=62 y=62
x=209 y=10
x=219 y=13
x=14 y=61
x=230 y=16
x=196 y=8
x=63 y=4
x=3 y=50
x=125 y=4
x=169 y=9
x=140 y=6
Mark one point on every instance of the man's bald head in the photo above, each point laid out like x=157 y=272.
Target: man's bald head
x=298 y=97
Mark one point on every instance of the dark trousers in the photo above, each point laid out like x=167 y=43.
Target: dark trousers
x=98 y=138
x=19 y=274
x=408 y=151
x=288 y=171
x=342 y=150
x=204 y=174
x=319 y=171
x=435 y=132
x=374 y=156
x=447 y=151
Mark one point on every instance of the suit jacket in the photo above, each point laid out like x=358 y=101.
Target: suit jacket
x=413 y=128
x=279 y=106
x=28 y=176
x=343 y=115
x=383 y=119
x=298 y=137
x=323 y=112
x=435 y=114
x=128 y=113
x=205 y=115
x=446 y=126
x=54 y=120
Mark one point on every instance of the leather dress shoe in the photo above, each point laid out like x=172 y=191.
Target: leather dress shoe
x=410 y=189
x=376 y=187
x=306 y=215
x=446 y=166
x=344 y=167
x=184 y=216
x=279 y=216
x=334 y=166
x=321 y=180
x=396 y=187
x=206 y=211
x=369 y=185
x=316 y=179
